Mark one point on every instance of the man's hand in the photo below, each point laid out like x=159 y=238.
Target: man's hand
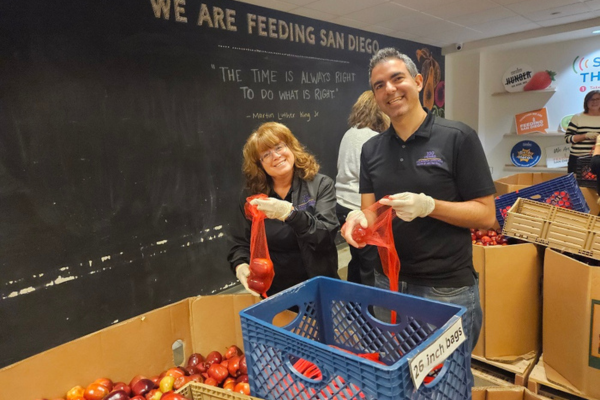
x=274 y=208
x=409 y=206
x=591 y=135
x=354 y=218
x=242 y=271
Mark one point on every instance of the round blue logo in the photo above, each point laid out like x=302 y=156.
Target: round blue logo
x=525 y=154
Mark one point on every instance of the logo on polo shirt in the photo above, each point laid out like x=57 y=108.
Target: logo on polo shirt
x=306 y=202
x=430 y=159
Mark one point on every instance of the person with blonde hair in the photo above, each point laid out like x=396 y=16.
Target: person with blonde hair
x=365 y=121
x=301 y=223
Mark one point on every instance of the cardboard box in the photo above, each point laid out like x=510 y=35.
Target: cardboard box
x=571 y=328
x=509 y=288
x=591 y=198
x=503 y=393
x=140 y=345
x=520 y=181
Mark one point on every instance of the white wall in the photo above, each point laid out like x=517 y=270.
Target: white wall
x=493 y=116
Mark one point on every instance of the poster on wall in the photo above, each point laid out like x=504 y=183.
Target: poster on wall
x=532 y=121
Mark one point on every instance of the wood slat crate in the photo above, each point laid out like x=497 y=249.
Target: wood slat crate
x=554 y=227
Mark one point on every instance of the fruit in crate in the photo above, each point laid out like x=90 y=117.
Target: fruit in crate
x=488 y=237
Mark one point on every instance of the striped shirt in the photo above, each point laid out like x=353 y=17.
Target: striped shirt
x=582 y=124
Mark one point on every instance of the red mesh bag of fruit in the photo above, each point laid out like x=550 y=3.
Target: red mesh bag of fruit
x=379 y=233
x=261 y=266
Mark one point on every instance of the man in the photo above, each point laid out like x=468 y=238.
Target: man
x=439 y=183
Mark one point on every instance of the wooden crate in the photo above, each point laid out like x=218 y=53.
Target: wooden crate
x=515 y=373
x=555 y=227
x=539 y=383
x=200 y=391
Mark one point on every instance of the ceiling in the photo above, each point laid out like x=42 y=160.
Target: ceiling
x=445 y=23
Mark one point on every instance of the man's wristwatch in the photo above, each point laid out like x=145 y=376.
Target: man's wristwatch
x=292 y=214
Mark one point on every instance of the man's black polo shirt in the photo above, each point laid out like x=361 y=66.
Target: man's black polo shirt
x=445 y=160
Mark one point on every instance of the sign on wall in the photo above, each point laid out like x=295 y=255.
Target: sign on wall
x=532 y=121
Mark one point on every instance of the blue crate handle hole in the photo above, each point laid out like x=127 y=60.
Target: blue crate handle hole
x=286 y=318
x=306 y=370
x=383 y=311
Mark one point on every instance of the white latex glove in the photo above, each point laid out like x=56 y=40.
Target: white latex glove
x=591 y=135
x=242 y=271
x=274 y=208
x=409 y=206
x=352 y=219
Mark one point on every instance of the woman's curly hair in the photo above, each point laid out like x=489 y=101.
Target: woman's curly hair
x=267 y=136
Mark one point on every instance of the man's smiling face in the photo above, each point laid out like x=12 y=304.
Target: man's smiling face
x=396 y=91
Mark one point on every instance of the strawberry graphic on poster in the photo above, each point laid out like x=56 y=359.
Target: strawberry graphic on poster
x=540 y=80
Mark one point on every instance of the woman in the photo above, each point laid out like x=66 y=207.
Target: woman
x=366 y=120
x=301 y=224
x=583 y=129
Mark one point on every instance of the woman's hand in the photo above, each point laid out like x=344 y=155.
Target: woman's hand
x=242 y=271
x=591 y=135
x=274 y=208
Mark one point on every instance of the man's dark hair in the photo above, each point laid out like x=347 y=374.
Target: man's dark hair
x=388 y=53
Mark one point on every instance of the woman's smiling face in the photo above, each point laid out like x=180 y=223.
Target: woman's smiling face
x=278 y=161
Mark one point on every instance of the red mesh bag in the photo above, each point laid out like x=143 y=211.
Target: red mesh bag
x=261 y=266
x=379 y=233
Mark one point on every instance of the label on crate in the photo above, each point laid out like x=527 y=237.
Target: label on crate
x=425 y=364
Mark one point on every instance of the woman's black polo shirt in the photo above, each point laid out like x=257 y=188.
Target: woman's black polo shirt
x=445 y=160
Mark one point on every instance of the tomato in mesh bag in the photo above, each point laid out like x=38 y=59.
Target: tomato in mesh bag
x=261 y=266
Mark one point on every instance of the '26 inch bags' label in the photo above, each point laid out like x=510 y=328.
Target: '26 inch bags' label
x=436 y=352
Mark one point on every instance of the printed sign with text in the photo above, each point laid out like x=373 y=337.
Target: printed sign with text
x=532 y=121
x=557 y=156
x=431 y=357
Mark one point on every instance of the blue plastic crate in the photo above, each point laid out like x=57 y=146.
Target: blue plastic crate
x=332 y=312
x=562 y=192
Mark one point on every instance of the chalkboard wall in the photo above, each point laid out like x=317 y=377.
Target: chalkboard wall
x=121 y=129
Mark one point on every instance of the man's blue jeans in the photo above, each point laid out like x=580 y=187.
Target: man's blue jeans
x=467 y=296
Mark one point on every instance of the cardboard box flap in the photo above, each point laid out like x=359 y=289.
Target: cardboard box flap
x=509 y=287
x=215 y=322
x=142 y=344
x=503 y=393
x=572 y=323
x=565 y=319
x=558 y=379
x=519 y=181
